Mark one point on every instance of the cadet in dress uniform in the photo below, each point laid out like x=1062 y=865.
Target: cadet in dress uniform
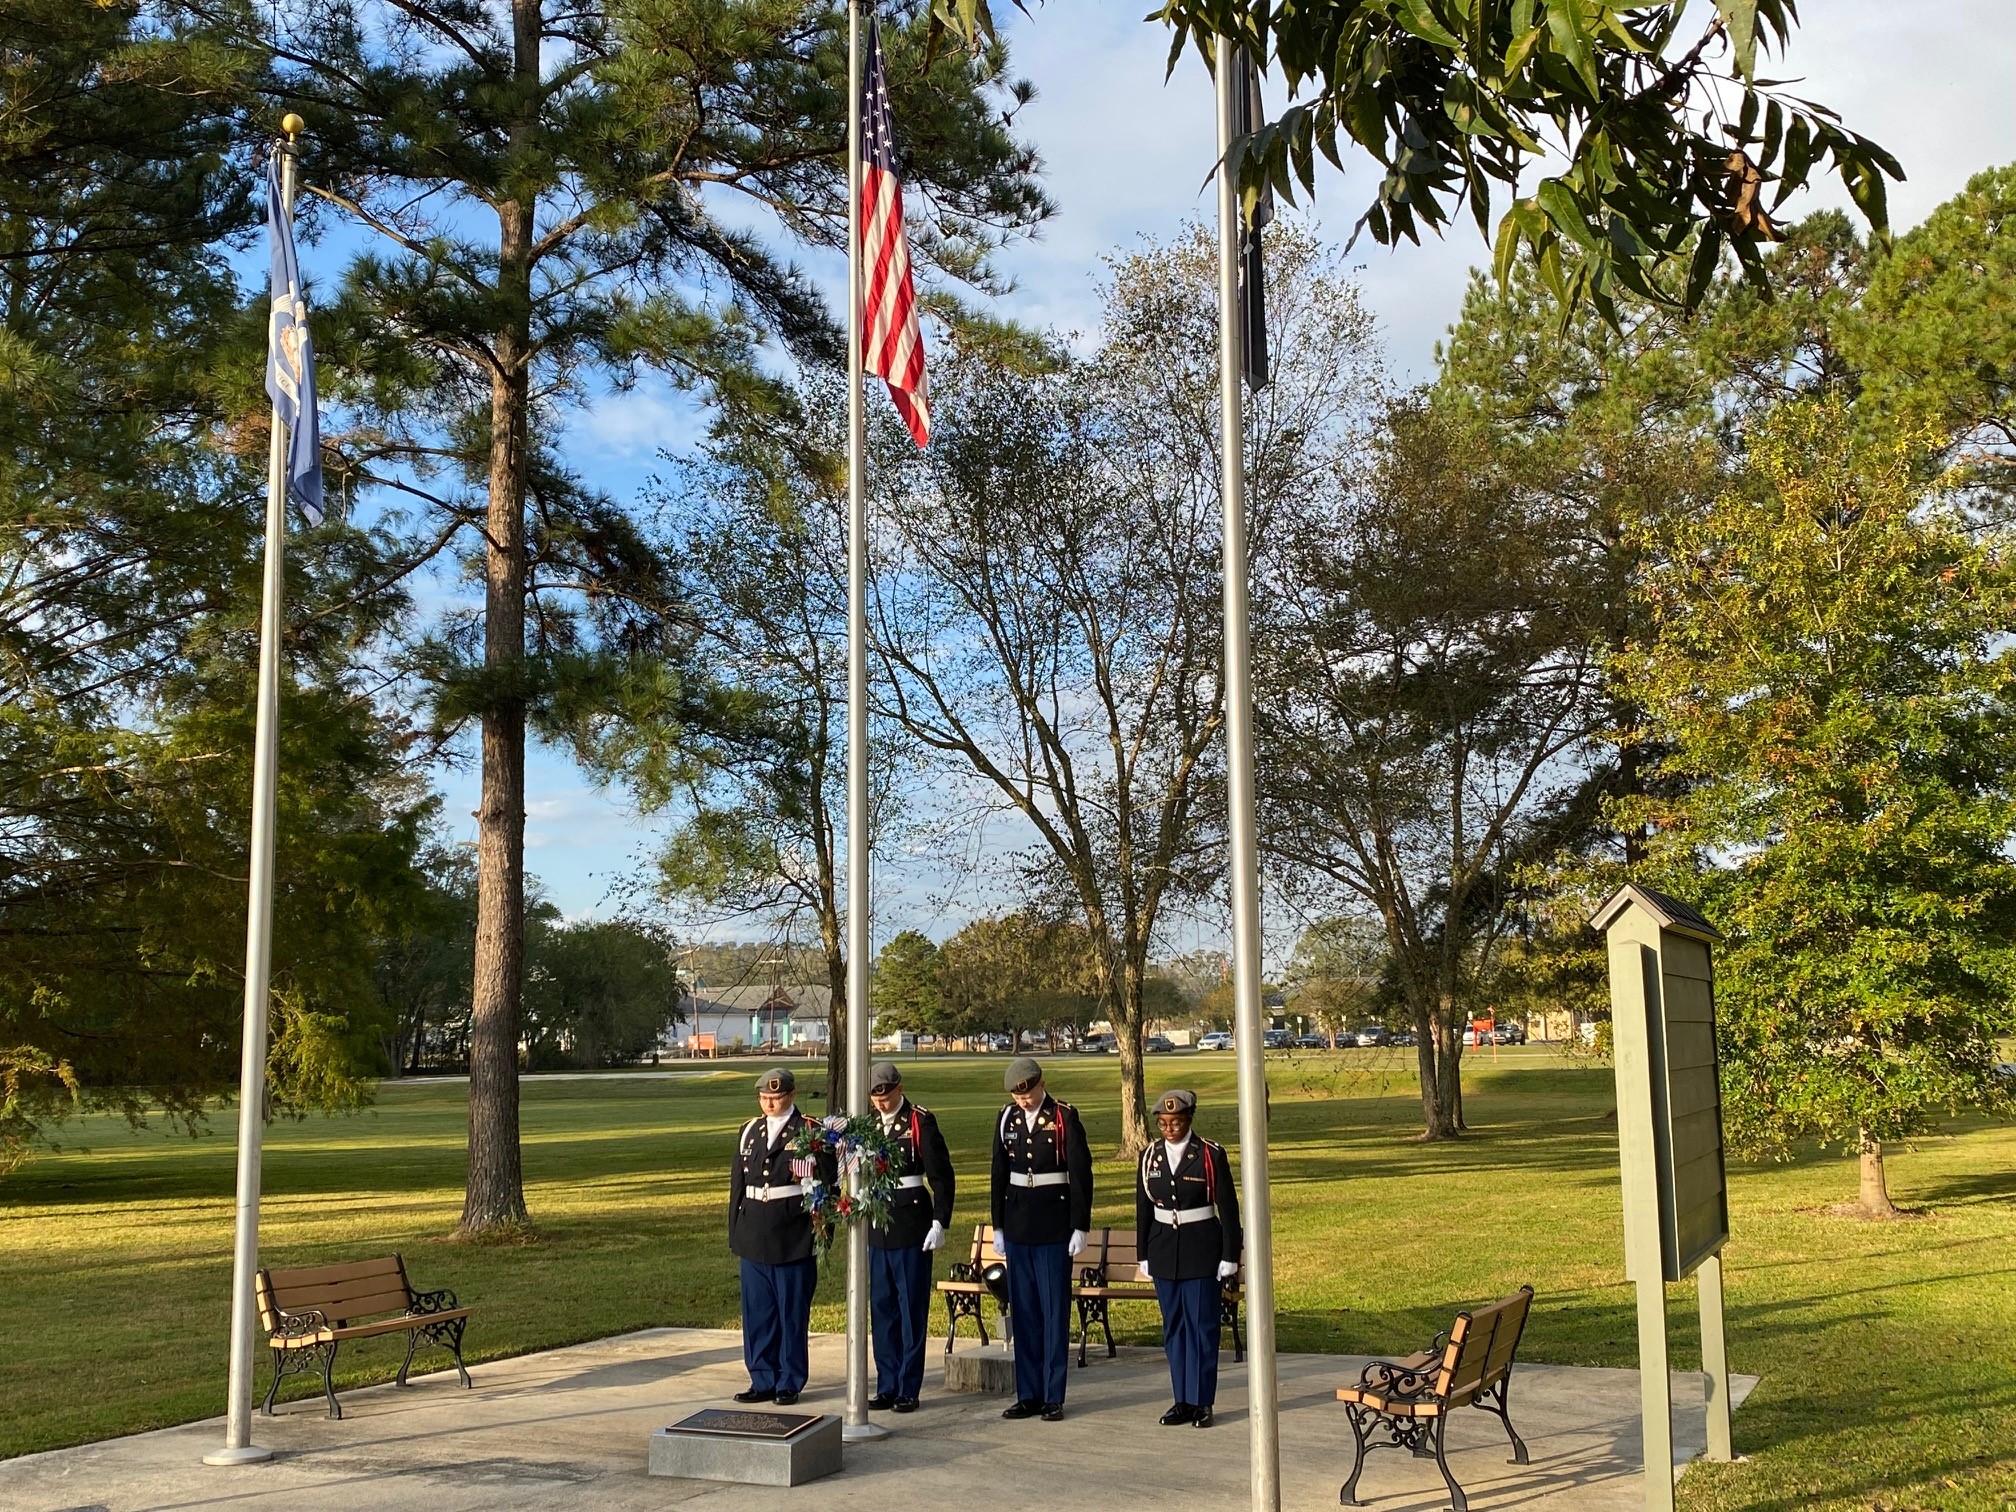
x=1042 y=1212
x=771 y=1232
x=899 y=1256
x=1186 y=1227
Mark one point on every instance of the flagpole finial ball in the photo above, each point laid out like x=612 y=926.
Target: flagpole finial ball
x=292 y=124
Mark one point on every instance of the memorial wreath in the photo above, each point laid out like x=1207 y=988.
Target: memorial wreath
x=865 y=1159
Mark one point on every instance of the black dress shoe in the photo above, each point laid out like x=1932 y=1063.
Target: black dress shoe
x=1022 y=1410
x=1202 y=1419
x=881 y=1402
x=786 y=1398
x=1181 y=1413
x=753 y=1395
x=1053 y=1412
x=906 y=1404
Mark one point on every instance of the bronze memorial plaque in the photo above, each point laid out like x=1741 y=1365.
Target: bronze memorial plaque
x=736 y=1423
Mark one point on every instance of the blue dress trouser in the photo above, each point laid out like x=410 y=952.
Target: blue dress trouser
x=899 y=1306
x=776 y=1319
x=1039 y=1304
x=1190 y=1322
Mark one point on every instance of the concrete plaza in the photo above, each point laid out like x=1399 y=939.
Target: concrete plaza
x=570 y=1427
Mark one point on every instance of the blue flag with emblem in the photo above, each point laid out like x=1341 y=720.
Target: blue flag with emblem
x=290 y=357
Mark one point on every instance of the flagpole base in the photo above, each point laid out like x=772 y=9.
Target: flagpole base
x=862 y=1433
x=244 y=1454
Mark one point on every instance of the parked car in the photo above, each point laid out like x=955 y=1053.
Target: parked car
x=2005 y=1071
x=1274 y=1039
x=1370 y=1035
x=1158 y=1044
x=1510 y=1034
x=1403 y=1040
x=1311 y=1042
x=1217 y=1039
x=1098 y=1044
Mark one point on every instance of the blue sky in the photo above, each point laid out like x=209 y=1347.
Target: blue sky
x=1127 y=156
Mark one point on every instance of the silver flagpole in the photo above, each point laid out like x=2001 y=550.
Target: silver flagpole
x=1262 y=1394
x=856 y=1427
x=238 y=1446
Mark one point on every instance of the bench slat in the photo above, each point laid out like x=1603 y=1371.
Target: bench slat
x=349 y=1270
x=348 y=1305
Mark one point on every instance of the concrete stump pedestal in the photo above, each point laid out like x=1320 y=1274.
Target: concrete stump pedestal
x=989 y=1369
x=752 y=1459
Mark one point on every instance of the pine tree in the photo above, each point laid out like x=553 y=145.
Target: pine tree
x=543 y=181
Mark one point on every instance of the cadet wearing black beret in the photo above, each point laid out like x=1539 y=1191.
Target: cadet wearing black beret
x=1042 y=1211
x=1186 y=1229
x=770 y=1231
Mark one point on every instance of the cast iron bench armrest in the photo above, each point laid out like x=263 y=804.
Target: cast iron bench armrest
x=422 y=1303
x=1398 y=1378
x=299 y=1324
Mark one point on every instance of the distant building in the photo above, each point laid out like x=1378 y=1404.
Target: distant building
x=788 y=1017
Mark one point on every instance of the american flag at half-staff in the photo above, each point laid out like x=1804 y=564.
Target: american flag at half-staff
x=891 y=346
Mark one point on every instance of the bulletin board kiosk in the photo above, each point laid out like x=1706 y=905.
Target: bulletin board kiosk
x=1669 y=1136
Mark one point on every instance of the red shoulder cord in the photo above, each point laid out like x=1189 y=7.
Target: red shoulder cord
x=1210 y=1176
x=916 y=1133
x=1062 y=1163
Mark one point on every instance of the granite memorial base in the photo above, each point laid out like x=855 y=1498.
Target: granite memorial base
x=989 y=1369
x=751 y=1448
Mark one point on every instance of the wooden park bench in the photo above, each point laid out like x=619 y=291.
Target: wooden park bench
x=1106 y=1273
x=309 y=1312
x=1412 y=1398
x=1109 y=1272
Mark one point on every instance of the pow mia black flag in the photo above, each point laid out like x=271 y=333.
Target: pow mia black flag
x=1248 y=116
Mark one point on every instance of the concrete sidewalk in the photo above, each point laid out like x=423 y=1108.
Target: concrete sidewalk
x=569 y=1428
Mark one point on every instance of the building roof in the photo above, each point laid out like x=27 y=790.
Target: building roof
x=805 y=1003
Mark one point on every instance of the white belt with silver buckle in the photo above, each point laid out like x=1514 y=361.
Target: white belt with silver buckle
x=1038 y=1178
x=907 y=1183
x=773 y=1193
x=1177 y=1217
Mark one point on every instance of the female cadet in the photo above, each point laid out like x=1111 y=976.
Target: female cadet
x=1186 y=1222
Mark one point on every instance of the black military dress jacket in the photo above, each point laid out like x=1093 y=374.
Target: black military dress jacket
x=773 y=1230
x=924 y=1168
x=1042 y=1177
x=1199 y=1204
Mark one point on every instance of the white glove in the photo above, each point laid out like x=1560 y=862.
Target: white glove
x=1227 y=1269
x=1075 y=1243
x=935 y=1238
x=1000 y=1251
x=1142 y=1271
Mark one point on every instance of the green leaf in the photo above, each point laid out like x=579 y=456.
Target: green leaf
x=1567 y=213
x=1572 y=41
x=1521 y=50
x=1418 y=17
x=1701 y=271
x=1740 y=17
x=1506 y=252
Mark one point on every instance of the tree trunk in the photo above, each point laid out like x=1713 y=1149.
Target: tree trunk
x=495 y=1195
x=1123 y=995
x=1436 y=1065
x=836 y=1025
x=1875 y=1187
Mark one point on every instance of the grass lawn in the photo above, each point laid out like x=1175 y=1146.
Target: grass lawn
x=1889 y=1378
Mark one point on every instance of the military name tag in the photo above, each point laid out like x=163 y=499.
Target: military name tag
x=772 y=1425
